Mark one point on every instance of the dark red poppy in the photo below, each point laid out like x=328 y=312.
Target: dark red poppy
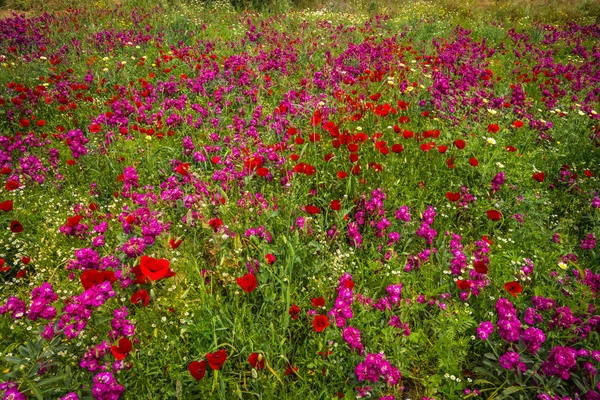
x=25 y=260
x=588 y=173
x=153 y=268
x=342 y=174
x=257 y=361
x=24 y=122
x=404 y=119
x=512 y=149
x=442 y=149
x=6 y=206
x=270 y=258
x=95 y=128
x=463 y=285
x=247 y=282
x=123 y=348
x=5 y=171
x=16 y=227
x=2 y=267
x=407 y=134
x=262 y=171
x=452 y=197
x=215 y=223
x=21 y=273
x=513 y=288
x=294 y=311
x=93 y=206
x=216 y=359
x=197 y=369
x=494 y=215
x=140 y=296
x=539 y=176
x=74 y=221
x=473 y=161
x=353 y=157
x=11 y=185
x=318 y=302
x=517 y=124
x=397 y=148
x=291 y=370
x=320 y=323
x=460 y=144
x=493 y=128
x=173 y=244
x=312 y=209
x=328 y=157
x=481 y=267
x=335 y=205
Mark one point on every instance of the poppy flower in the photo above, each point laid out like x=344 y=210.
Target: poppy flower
x=588 y=173
x=335 y=205
x=353 y=157
x=153 y=268
x=183 y=169
x=25 y=260
x=517 y=124
x=318 y=302
x=173 y=244
x=320 y=323
x=355 y=170
x=93 y=206
x=89 y=278
x=442 y=149
x=270 y=258
x=294 y=311
x=262 y=171
x=247 y=282
x=312 y=209
x=290 y=370
x=494 y=215
x=407 y=134
x=24 y=122
x=215 y=223
x=94 y=128
x=342 y=174
x=123 y=348
x=21 y=273
x=2 y=267
x=216 y=359
x=16 y=227
x=140 y=296
x=11 y=185
x=493 y=128
x=481 y=267
x=257 y=361
x=460 y=144
x=463 y=285
x=452 y=197
x=397 y=148
x=6 y=206
x=512 y=149
x=404 y=119
x=513 y=288
x=473 y=161
x=539 y=176
x=197 y=369
x=74 y=221
x=5 y=171
x=328 y=157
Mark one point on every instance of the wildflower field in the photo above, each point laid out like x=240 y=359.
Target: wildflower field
x=203 y=203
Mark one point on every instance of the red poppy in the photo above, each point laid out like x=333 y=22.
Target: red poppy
x=318 y=302
x=247 y=282
x=397 y=148
x=215 y=223
x=121 y=351
x=214 y=160
x=463 y=285
x=517 y=124
x=353 y=157
x=407 y=134
x=312 y=209
x=173 y=244
x=140 y=296
x=493 y=128
x=494 y=215
x=355 y=170
x=320 y=323
x=16 y=227
x=197 y=369
x=25 y=260
x=336 y=205
x=328 y=157
x=294 y=311
x=342 y=174
x=74 y=221
x=5 y=171
x=588 y=173
x=452 y=197
x=93 y=206
x=94 y=128
x=2 y=267
x=21 y=273
x=216 y=359
x=262 y=171
x=24 y=122
x=153 y=268
x=290 y=370
x=182 y=169
x=539 y=176
x=270 y=258
x=425 y=147
x=481 y=267
x=6 y=206
x=460 y=144
x=404 y=119
x=442 y=149
x=473 y=161
x=257 y=361
x=11 y=185
x=513 y=288
x=512 y=149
